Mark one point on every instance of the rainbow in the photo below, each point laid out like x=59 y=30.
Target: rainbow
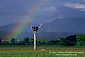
x=21 y=27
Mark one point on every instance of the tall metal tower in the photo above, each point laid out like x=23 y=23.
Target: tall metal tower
x=35 y=29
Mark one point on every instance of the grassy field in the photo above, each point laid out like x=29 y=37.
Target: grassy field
x=42 y=52
x=1 y=46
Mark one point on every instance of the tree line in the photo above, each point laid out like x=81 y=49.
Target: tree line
x=72 y=40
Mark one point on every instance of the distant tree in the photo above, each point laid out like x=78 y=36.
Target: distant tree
x=5 y=43
x=83 y=43
x=71 y=38
x=79 y=38
x=21 y=43
x=12 y=41
x=17 y=42
x=39 y=42
x=32 y=41
x=42 y=42
x=0 y=41
x=52 y=42
x=69 y=43
x=83 y=37
x=26 y=40
x=62 y=41
x=32 y=38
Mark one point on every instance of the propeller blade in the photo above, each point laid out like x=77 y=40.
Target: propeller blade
x=31 y=25
x=40 y=26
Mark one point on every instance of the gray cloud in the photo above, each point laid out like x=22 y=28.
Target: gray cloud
x=12 y=11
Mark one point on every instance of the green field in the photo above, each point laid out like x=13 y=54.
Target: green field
x=42 y=52
x=41 y=46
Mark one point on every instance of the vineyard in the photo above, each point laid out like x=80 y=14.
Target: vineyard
x=42 y=52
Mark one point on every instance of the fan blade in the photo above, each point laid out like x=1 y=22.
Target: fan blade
x=31 y=25
x=40 y=26
x=31 y=28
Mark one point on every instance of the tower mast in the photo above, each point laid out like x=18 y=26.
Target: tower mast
x=34 y=40
x=35 y=29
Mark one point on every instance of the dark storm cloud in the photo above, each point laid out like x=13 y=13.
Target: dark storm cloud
x=16 y=9
x=12 y=11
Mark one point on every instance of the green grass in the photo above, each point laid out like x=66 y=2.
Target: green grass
x=47 y=52
x=1 y=46
x=56 y=46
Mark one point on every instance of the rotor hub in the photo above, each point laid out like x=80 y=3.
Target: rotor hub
x=34 y=28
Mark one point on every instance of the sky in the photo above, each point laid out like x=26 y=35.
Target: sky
x=39 y=11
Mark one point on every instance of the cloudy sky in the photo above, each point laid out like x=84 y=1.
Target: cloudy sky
x=39 y=11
